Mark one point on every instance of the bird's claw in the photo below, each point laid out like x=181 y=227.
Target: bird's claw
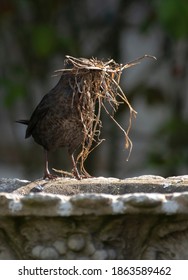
x=50 y=176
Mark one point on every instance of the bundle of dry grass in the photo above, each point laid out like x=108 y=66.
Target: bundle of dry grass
x=96 y=83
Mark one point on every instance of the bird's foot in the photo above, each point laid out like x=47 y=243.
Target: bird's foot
x=73 y=174
x=76 y=174
x=85 y=174
x=49 y=176
x=64 y=173
x=86 y=177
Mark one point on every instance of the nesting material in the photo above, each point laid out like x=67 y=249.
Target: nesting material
x=96 y=87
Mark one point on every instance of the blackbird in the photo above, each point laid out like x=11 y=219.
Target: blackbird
x=56 y=121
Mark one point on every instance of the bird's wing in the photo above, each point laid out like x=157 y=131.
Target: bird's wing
x=40 y=111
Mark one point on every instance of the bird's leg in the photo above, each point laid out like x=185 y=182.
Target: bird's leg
x=47 y=174
x=75 y=170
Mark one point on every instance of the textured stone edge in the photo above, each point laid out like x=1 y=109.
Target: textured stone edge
x=50 y=205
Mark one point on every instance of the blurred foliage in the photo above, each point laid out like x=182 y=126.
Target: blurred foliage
x=171 y=153
x=173 y=15
x=36 y=35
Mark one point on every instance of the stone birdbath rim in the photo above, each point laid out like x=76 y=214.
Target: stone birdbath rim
x=24 y=202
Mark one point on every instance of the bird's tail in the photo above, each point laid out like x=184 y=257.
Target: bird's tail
x=26 y=122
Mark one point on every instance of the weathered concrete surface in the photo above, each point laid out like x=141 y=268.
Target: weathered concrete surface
x=10 y=185
x=67 y=186
x=99 y=218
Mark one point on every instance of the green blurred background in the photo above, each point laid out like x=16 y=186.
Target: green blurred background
x=36 y=35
